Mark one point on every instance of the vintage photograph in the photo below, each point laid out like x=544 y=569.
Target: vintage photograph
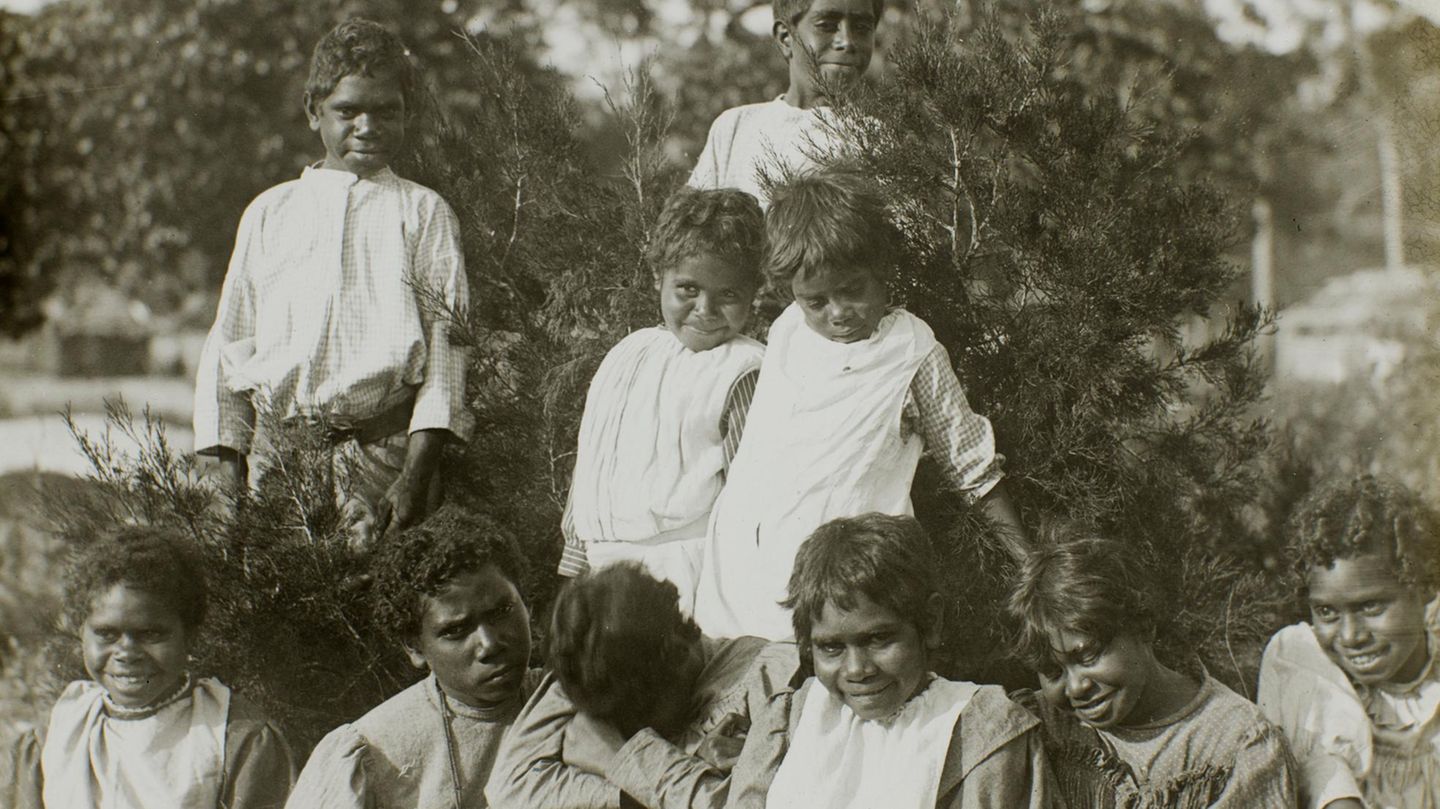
x=719 y=404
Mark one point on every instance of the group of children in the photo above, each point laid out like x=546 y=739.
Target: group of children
x=753 y=612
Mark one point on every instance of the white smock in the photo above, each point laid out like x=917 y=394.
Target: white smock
x=839 y=761
x=173 y=759
x=650 y=459
x=823 y=440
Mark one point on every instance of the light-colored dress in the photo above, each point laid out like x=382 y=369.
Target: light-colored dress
x=205 y=748
x=409 y=752
x=1380 y=744
x=651 y=456
x=1216 y=751
x=956 y=745
x=825 y=438
x=771 y=137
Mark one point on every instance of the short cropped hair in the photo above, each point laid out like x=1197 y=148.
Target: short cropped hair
x=617 y=640
x=1367 y=514
x=888 y=559
x=723 y=222
x=424 y=558
x=1073 y=579
x=790 y=11
x=158 y=561
x=359 y=47
x=826 y=220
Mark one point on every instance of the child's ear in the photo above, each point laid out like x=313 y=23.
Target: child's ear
x=312 y=110
x=935 y=621
x=416 y=658
x=784 y=38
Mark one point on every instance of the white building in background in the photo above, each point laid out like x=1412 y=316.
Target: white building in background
x=1357 y=326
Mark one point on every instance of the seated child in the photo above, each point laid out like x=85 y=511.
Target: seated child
x=851 y=392
x=640 y=708
x=144 y=731
x=827 y=45
x=666 y=408
x=1357 y=691
x=450 y=588
x=1121 y=728
x=875 y=726
x=337 y=304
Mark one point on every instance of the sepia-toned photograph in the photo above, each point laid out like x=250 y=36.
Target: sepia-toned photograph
x=719 y=404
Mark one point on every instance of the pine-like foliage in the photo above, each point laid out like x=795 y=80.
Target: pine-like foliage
x=1048 y=242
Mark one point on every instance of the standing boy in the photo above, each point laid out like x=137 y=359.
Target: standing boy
x=337 y=303
x=827 y=44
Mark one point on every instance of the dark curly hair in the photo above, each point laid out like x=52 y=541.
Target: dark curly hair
x=1074 y=579
x=888 y=559
x=359 y=48
x=724 y=222
x=156 y=560
x=790 y=11
x=1367 y=514
x=618 y=642
x=422 y=559
x=825 y=220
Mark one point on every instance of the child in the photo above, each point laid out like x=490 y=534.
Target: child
x=850 y=393
x=144 y=731
x=1122 y=728
x=329 y=310
x=827 y=44
x=450 y=588
x=667 y=406
x=1357 y=691
x=640 y=708
x=875 y=726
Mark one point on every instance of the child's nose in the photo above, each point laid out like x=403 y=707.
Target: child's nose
x=1077 y=684
x=489 y=641
x=1352 y=630
x=858 y=664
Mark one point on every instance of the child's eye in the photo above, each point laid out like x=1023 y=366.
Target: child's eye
x=107 y=635
x=152 y=636
x=1373 y=608
x=815 y=303
x=453 y=632
x=1323 y=613
x=829 y=649
x=502 y=610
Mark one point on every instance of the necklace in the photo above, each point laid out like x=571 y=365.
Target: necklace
x=447 y=717
x=121 y=712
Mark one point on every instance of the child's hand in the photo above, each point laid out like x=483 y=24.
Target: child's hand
x=721 y=746
x=590 y=744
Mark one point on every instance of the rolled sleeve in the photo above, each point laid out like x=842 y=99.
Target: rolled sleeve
x=662 y=776
x=444 y=297
x=224 y=417
x=530 y=770
x=960 y=440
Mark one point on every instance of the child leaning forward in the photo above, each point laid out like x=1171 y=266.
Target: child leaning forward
x=450 y=589
x=1121 y=728
x=144 y=731
x=874 y=725
x=852 y=391
x=1357 y=690
x=666 y=409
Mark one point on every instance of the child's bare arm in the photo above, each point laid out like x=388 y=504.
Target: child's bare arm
x=1001 y=511
x=404 y=502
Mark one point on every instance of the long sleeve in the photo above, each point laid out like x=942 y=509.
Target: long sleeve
x=259 y=767
x=573 y=558
x=223 y=417
x=334 y=777
x=1016 y=775
x=662 y=776
x=1264 y=773
x=707 y=171
x=961 y=441
x=20 y=780
x=737 y=407
x=443 y=294
x=530 y=772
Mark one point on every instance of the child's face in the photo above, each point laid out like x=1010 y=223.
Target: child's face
x=841 y=305
x=838 y=35
x=362 y=123
x=135 y=646
x=1369 y=622
x=706 y=301
x=870 y=657
x=1102 y=683
x=475 y=637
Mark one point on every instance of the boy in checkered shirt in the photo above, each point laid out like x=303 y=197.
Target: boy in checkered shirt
x=851 y=392
x=336 y=306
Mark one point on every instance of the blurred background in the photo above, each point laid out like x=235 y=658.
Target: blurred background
x=134 y=132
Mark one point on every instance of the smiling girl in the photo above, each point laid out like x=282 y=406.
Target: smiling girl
x=1121 y=727
x=144 y=731
x=1357 y=690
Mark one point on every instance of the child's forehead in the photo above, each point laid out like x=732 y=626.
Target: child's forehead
x=1365 y=572
x=485 y=586
x=830 y=276
x=857 y=613
x=123 y=602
